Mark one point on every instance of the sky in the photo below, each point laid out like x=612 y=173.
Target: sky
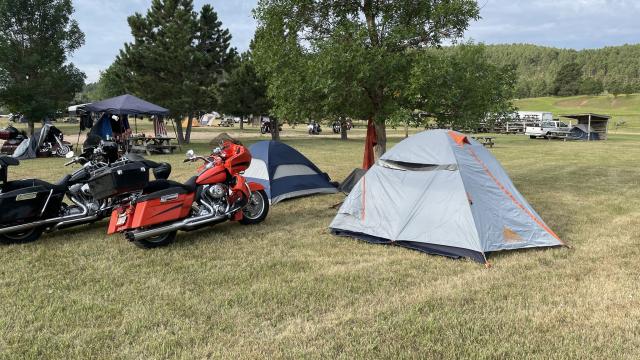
x=576 y=24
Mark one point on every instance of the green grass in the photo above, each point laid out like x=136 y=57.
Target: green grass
x=622 y=107
x=289 y=289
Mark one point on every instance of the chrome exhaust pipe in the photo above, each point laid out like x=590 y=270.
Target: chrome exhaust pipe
x=61 y=219
x=184 y=225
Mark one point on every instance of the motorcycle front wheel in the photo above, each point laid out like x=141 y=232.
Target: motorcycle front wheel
x=256 y=209
x=156 y=241
x=21 y=237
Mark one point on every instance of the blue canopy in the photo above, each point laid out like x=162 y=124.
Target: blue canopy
x=126 y=105
x=285 y=173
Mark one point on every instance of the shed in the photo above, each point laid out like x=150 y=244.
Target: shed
x=594 y=124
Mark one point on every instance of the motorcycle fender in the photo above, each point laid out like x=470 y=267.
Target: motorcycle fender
x=255 y=186
x=126 y=212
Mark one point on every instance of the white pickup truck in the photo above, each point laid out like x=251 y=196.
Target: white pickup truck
x=545 y=128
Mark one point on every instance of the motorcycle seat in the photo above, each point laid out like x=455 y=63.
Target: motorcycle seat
x=25 y=183
x=64 y=181
x=158 y=185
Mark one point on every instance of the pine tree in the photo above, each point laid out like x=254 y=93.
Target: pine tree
x=177 y=58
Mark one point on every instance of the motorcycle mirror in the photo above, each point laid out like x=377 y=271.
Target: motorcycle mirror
x=190 y=154
x=69 y=155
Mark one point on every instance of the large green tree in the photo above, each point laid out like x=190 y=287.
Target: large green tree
x=36 y=39
x=177 y=59
x=376 y=39
x=244 y=92
x=460 y=88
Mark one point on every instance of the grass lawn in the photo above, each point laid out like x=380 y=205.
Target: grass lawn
x=289 y=289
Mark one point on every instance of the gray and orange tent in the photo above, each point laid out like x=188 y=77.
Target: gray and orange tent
x=442 y=193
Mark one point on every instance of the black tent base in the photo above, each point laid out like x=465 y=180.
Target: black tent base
x=433 y=249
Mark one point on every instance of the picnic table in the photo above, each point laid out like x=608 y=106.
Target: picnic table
x=149 y=145
x=485 y=140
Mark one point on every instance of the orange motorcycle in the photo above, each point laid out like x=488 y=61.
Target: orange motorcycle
x=218 y=193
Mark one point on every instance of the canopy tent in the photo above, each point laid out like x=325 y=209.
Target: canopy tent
x=285 y=173
x=126 y=105
x=442 y=193
x=123 y=106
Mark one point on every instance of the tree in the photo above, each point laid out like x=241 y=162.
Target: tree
x=460 y=88
x=244 y=93
x=377 y=39
x=568 y=80
x=590 y=86
x=36 y=38
x=113 y=81
x=177 y=58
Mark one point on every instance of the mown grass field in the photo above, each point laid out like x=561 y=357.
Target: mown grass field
x=621 y=108
x=289 y=289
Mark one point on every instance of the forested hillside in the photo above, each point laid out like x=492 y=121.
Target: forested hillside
x=613 y=69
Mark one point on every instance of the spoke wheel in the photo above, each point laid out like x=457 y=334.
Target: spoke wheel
x=21 y=237
x=156 y=241
x=256 y=209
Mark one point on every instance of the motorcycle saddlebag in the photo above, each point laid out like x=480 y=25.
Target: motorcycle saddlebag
x=27 y=203
x=118 y=180
x=162 y=206
x=5 y=134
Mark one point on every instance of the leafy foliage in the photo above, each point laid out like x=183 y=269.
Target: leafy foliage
x=244 y=92
x=36 y=38
x=460 y=88
x=568 y=79
x=616 y=68
x=349 y=58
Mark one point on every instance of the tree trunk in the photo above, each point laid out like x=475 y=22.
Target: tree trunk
x=275 y=130
x=187 y=136
x=381 y=140
x=343 y=129
x=31 y=127
x=241 y=122
x=406 y=129
x=179 y=134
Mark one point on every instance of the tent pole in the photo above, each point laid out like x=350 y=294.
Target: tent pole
x=135 y=122
x=589 y=129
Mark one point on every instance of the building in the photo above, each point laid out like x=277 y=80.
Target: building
x=595 y=126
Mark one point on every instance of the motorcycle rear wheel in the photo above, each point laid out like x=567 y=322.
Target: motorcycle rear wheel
x=156 y=241
x=256 y=209
x=21 y=237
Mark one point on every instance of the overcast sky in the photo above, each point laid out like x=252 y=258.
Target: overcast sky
x=574 y=24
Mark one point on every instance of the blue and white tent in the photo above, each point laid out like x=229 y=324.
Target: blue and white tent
x=285 y=173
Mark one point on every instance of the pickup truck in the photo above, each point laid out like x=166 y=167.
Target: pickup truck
x=545 y=128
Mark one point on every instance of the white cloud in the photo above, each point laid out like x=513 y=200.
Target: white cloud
x=562 y=23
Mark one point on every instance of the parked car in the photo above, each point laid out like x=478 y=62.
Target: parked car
x=544 y=128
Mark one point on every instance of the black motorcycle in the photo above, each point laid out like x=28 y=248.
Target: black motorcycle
x=266 y=127
x=314 y=128
x=30 y=207
x=337 y=126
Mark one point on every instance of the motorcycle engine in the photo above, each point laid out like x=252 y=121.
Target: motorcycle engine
x=218 y=191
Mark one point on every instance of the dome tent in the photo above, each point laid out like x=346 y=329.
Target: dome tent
x=441 y=193
x=285 y=173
